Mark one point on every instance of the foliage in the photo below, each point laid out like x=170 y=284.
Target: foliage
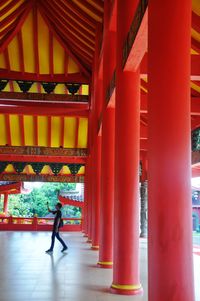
x=27 y=205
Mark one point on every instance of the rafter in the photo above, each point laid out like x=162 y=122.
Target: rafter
x=91 y=8
x=35 y=124
x=76 y=133
x=65 y=46
x=21 y=52
x=66 y=62
x=8 y=7
x=51 y=62
x=7 y=60
x=21 y=122
x=80 y=13
x=49 y=131
x=19 y=25
x=35 y=40
x=62 y=132
x=12 y=16
x=66 y=34
x=68 y=25
x=73 y=17
x=8 y=133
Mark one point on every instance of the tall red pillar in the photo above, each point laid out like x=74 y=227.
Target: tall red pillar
x=5 y=204
x=90 y=193
x=169 y=169
x=108 y=133
x=107 y=190
x=126 y=278
x=96 y=193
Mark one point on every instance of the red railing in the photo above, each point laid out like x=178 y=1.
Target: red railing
x=37 y=224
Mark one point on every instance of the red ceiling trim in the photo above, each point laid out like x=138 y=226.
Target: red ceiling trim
x=91 y=8
x=51 y=62
x=73 y=17
x=67 y=35
x=8 y=133
x=35 y=122
x=80 y=13
x=35 y=40
x=49 y=131
x=19 y=25
x=64 y=45
x=21 y=122
x=21 y=51
x=77 y=131
x=62 y=137
x=74 y=29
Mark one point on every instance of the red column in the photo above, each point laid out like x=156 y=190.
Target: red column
x=126 y=278
x=169 y=169
x=107 y=190
x=5 y=205
x=107 y=165
x=96 y=195
x=90 y=187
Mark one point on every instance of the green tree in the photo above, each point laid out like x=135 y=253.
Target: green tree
x=27 y=205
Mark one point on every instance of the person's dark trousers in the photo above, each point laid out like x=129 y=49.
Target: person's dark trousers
x=56 y=235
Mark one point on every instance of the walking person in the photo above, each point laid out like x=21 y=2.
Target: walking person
x=58 y=223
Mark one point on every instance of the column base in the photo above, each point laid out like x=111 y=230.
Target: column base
x=89 y=241
x=105 y=264
x=126 y=289
x=95 y=248
x=85 y=235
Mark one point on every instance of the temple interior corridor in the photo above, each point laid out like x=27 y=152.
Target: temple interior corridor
x=28 y=273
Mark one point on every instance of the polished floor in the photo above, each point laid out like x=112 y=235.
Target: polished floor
x=28 y=273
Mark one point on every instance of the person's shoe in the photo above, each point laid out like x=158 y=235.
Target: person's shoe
x=64 y=249
x=49 y=251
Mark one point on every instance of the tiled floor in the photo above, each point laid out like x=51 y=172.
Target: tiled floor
x=28 y=273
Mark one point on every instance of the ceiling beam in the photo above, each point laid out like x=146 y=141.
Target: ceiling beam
x=42 y=178
x=43 y=111
x=195 y=105
x=44 y=98
x=195 y=67
x=45 y=159
x=59 y=78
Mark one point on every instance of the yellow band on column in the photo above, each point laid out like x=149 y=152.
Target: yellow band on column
x=105 y=262
x=127 y=287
